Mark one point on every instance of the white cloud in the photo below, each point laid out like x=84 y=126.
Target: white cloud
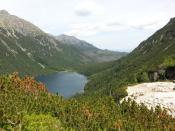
x=89 y=8
x=152 y=21
x=93 y=28
x=82 y=29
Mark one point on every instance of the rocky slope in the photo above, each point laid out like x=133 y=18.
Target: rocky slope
x=13 y=23
x=154 y=94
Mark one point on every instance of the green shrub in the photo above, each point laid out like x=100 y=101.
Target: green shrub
x=142 y=77
x=169 y=61
x=40 y=123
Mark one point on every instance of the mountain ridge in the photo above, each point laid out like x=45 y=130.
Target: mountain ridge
x=26 y=47
x=90 y=50
x=12 y=22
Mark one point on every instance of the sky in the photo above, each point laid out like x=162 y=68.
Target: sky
x=118 y=25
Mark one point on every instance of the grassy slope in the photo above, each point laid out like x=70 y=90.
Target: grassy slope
x=12 y=58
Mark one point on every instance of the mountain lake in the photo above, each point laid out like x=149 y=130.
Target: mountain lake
x=66 y=84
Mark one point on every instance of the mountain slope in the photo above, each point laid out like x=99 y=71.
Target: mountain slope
x=89 y=50
x=27 y=49
x=152 y=60
x=12 y=22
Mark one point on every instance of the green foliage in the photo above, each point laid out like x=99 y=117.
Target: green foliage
x=141 y=118
x=119 y=93
x=168 y=62
x=93 y=68
x=142 y=77
x=40 y=123
x=26 y=105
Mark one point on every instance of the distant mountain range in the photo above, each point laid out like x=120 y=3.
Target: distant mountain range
x=89 y=50
x=27 y=49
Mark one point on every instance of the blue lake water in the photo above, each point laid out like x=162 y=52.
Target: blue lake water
x=66 y=84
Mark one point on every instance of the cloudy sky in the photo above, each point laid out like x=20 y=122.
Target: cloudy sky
x=108 y=24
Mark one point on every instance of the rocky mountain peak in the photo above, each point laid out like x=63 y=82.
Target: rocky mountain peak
x=4 y=12
x=14 y=23
x=172 y=20
x=66 y=38
x=71 y=40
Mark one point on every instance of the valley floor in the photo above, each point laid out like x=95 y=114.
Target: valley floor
x=153 y=94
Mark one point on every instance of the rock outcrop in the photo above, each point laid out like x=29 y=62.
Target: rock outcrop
x=154 y=94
